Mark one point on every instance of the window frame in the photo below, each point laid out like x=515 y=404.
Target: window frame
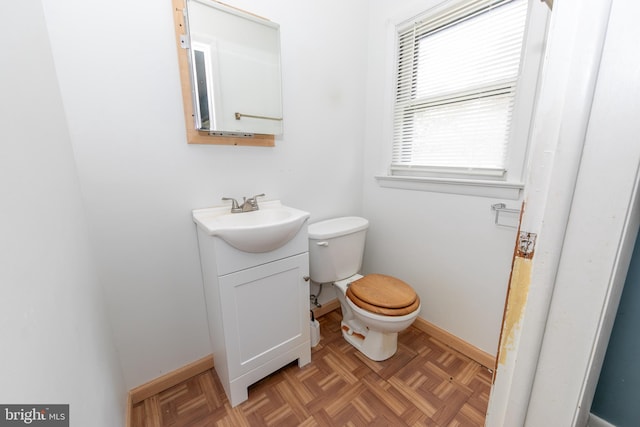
x=449 y=180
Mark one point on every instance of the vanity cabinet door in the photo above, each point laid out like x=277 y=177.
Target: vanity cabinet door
x=265 y=312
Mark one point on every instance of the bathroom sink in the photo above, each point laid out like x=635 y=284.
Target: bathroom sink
x=263 y=230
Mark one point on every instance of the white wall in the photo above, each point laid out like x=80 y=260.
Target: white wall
x=446 y=246
x=118 y=73
x=57 y=345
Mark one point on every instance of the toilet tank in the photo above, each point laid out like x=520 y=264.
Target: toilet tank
x=336 y=247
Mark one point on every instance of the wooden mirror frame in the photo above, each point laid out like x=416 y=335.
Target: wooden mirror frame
x=195 y=136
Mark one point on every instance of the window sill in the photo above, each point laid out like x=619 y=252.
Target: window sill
x=468 y=187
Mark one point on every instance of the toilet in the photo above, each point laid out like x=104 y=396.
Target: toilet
x=374 y=307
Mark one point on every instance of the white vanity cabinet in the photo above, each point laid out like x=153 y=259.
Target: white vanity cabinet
x=257 y=308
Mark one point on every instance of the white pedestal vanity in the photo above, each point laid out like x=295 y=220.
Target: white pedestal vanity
x=257 y=302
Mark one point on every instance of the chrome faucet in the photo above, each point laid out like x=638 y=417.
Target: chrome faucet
x=251 y=204
x=248 y=205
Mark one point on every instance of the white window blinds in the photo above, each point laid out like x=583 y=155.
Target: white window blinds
x=456 y=81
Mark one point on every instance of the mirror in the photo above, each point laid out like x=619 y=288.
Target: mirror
x=230 y=71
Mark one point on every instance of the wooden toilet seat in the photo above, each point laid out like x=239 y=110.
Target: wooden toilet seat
x=384 y=295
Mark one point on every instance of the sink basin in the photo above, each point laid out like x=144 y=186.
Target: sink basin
x=263 y=230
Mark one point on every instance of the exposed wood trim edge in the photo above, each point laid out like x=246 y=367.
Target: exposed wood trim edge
x=327 y=307
x=129 y=412
x=144 y=391
x=472 y=352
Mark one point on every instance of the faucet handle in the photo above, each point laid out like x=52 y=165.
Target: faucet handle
x=234 y=204
x=253 y=201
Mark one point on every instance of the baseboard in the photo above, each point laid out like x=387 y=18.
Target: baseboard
x=472 y=352
x=144 y=391
x=153 y=387
x=327 y=307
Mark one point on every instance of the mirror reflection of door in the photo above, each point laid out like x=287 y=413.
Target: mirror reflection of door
x=201 y=88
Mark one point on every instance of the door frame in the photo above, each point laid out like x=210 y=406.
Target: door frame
x=568 y=291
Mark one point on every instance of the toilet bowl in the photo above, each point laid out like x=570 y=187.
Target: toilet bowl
x=374 y=307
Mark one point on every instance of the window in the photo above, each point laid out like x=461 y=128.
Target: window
x=455 y=94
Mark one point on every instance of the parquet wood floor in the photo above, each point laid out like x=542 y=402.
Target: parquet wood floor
x=424 y=384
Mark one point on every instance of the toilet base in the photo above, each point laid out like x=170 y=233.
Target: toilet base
x=376 y=345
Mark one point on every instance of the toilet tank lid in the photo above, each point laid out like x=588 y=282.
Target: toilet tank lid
x=335 y=227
